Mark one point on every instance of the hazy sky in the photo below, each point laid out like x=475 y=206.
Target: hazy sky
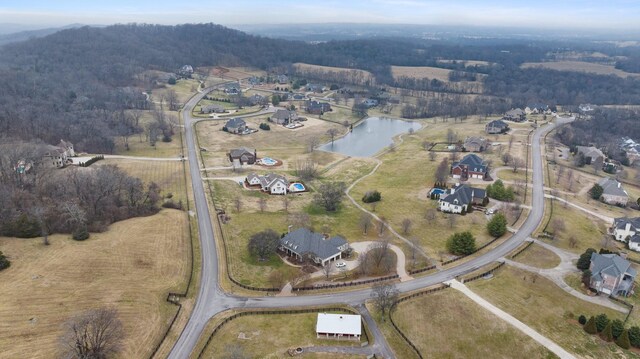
x=593 y=14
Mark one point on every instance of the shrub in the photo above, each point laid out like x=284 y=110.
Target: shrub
x=171 y=81
x=265 y=126
x=371 y=196
x=80 y=234
x=590 y=327
x=4 y=262
x=623 y=340
x=585 y=259
x=617 y=327
x=497 y=226
x=173 y=205
x=634 y=336
x=596 y=191
x=461 y=243
x=498 y=191
x=582 y=319
x=607 y=333
x=601 y=322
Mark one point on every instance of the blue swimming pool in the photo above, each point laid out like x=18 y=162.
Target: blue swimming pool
x=267 y=161
x=296 y=187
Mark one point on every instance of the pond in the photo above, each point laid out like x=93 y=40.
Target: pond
x=370 y=137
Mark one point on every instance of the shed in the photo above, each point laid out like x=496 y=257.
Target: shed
x=339 y=326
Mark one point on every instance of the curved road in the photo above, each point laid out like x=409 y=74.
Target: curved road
x=212 y=300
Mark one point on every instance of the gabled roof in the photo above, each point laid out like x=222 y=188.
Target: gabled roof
x=612 y=187
x=339 y=324
x=303 y=241
x=235 y=122
x=610 y=264
x=538 y=106
x=238 y=152
x=498 y=123
x=473 y=163
x=590 y=151
x=515 y=112
x=475 y=140
x=282 y=114
x=462 y=194
x=621 y=223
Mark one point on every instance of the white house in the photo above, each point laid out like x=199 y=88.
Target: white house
x=339 y=326
x=459 y=198
x=271 y=183
x=627 y=230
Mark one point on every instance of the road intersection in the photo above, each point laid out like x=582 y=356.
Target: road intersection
x=212 y=299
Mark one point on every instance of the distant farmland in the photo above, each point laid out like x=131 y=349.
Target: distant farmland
x=337 y=74
x=579 y=66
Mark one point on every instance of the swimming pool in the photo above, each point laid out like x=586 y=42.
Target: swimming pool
x=268 y=161
x=296 y=187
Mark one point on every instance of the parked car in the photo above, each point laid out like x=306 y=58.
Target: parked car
x=490 y=211
x=341 y=265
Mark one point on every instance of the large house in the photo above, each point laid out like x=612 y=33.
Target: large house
x=58 y=156
x=235 y=125
x=232 y=89
x=242 y=156
x=282 y=79
x=537 y=108
x=475 y=144
x=515 y=115
x=611 y=274
x=370 y=102
x=459 y=198
x=496 y=126
x=283 y=117
x=212 y=109
x=302 y=243
x=471 y=166
x=612 y=192
x=339 y=326
x=317 y=108
x=257 y=100
x=271 y=183
x=590 y=153
x=627 y=230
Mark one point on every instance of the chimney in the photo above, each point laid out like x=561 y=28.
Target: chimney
x=325 y=236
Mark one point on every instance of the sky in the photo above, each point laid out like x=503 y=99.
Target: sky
x=586 y=14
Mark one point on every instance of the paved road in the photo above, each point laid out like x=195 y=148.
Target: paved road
x=212 y=300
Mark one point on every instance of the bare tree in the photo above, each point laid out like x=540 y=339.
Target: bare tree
x=327 y=269
x=285 y=203
x=573 y=242
x=332 y=132
x=510 y=142
x=379 y=250
x=430 y=214
x=363 y=263
x=442 y=172
x=597 y=164
x=451 y=219
x=306 y=169
x=570 y=180
x=97 y=333
x=382 y=226
x=506 y=158
x=384 y=296
x=559 y=174
x=414 y=244
x=432 y=156
x=172 y=99
x=365 y=222
x=516 y=164
x=312 y=143
x=406 y=225
x=262 y=203
x=237 y=203
x=558 y=226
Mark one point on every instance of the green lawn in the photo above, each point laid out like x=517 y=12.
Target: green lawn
x=548 y=309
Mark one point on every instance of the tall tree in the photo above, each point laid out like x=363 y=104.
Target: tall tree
x=95 y=334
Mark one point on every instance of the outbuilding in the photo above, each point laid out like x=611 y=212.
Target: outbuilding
x=339 y=326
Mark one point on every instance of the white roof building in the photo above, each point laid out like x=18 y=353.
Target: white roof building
x=339 y=326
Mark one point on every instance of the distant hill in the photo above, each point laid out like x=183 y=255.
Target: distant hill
x=29 y=34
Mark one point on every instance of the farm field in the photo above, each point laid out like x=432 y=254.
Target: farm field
x=542 y=305
x=580 y=66
x=132 y=267
x=354 y=76
x=447 y=324
x=271 y=335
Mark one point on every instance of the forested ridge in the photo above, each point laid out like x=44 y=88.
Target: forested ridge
x=76 y=83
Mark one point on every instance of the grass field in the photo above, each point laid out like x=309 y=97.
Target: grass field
x=132 y=267
x=580 y=66
x=539 y=257
x=539 y=303
x=184 y=88
x=436 y=73
x=447 y=324
x=354 y=76
x=269 y=336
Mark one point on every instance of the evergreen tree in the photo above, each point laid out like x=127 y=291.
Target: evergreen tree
x=461 y=243
x=623 y=340
x=4 y=262
x=616 y=328
x=596 y=191
x=634 y=336
x=585 y=259
x=601 y=322
x=607 y=333
x=582 y=319
x=497 y=226
x=590 y=327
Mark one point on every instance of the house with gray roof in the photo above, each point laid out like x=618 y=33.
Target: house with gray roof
x=459 y=198
x=321 y=249
x=496 y=127
x=232 y=88
x=475 y=144
x=283 y=117
x=212 y=109
x=611 y=274
x=612 y=192
x=242 y=156
x=627 y=230
x=590 y=153
x=271 y=183
x=282 y=79
x=537 y=108
x=471 y=166
x=235 y=125
x=317 y=108
x=515 y=115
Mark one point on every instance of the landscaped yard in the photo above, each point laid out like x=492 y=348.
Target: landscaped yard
x=270 y=336
x=447 y=324
x=542 y=305
x=132 y=267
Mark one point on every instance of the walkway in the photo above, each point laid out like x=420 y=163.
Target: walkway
x=177 y=158
x=362 y=247
x=546 y=342
x=590 y=212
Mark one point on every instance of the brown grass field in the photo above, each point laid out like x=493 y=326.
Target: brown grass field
x=467 y=62
x=580 y=66
x=421 y=72
x=355 y=76
x=539 y=257
x=132 y=267
x=447 y=324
